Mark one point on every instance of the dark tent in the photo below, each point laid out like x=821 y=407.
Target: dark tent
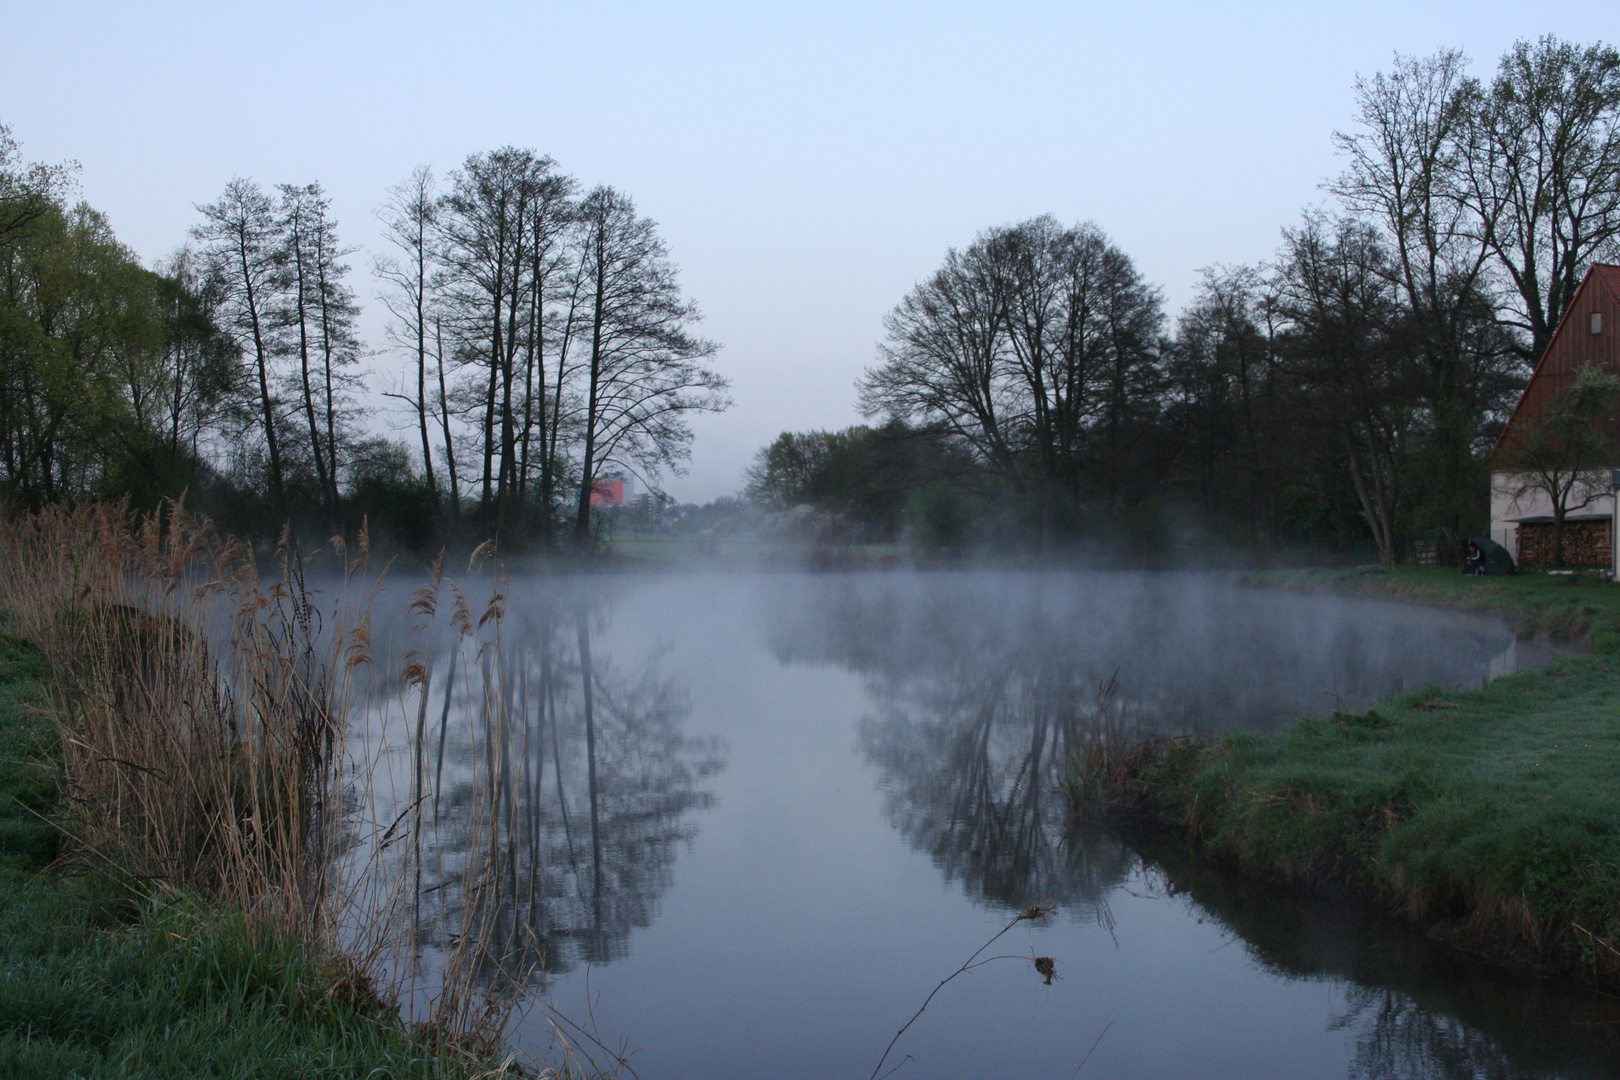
x=1497 y=559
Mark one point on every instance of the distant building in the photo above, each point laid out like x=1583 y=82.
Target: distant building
x=611 y=490
x=1521 y=519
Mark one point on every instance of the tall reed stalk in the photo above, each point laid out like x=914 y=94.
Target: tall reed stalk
x=222 y=734
x=506 y=884
x=200 y=711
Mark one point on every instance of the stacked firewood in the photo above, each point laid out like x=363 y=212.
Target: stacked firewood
x=1586 y=543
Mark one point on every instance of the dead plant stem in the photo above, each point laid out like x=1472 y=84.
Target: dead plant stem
x=1035 y=911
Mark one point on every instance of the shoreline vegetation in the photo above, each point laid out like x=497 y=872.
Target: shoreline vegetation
x=98 y=979
x=179 y=890
x=1490 y=817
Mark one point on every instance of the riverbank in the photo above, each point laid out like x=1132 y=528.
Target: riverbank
x=97 y=980
x=1489 y=817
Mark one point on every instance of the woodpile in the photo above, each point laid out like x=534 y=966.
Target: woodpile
x=1586 y=543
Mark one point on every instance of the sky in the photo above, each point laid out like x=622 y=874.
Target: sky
x=807 y=164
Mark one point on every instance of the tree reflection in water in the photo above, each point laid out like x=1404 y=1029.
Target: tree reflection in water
x=976 y=713
x=1412 y=1009
x=970 y=763
x=1397 y=1039
x=554 y=785
x=977 y=702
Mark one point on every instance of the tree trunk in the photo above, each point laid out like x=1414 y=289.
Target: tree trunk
x=278 y=495
x=444 y=417
x=1373 y=496
x=485 y=503
x=299 y=287
x=421 y=372
x=587 y=476
x=331 y=468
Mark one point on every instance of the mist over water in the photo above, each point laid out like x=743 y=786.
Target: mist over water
x=747 y=822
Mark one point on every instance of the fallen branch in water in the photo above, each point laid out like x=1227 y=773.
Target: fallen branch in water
x=1034 y=911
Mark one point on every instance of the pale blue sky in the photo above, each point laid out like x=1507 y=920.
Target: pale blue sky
x=807 y=163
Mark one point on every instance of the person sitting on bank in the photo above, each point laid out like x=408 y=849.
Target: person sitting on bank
x=1475 y=566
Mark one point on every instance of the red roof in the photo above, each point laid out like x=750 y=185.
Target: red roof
x=1610 y=276
x=1570 y=349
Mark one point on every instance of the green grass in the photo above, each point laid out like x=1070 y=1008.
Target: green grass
x=1492 y=815
x=97 y=982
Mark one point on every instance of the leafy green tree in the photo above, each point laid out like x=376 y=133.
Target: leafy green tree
x=80 y=332
x=393 y=497
x=188 y=400
x=27 y=192
x=1228 y=399
x=870 y=477
x=1343 y=316
x=113 y=378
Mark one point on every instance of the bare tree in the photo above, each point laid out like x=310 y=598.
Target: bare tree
x=298 y=209
x=319 y=313
x=1334 y=286
x=244 y=264
x=339 y=342
x=944 y=362
x=560 y=426
x=1037 y=346
x=1407 y=175
x=530 y=439
x=409 y=219
x=444 y=419
x=502 y=225
x=1543 y=174
x=644 y=372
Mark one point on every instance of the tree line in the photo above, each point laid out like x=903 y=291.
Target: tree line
x=1348 y=388
x=542 y=328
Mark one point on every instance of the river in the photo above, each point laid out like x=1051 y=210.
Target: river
x=742 y=825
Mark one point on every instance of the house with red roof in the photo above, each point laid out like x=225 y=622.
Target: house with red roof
x=1521 y=506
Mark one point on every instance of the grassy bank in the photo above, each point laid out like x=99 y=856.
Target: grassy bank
x=98 y=981
x=1491 y=817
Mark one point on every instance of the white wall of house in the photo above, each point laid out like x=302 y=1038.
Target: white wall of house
x=1507 y=503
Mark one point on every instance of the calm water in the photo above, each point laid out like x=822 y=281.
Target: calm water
x=749 y=822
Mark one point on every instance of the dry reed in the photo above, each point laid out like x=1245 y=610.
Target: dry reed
x=1114 y=761
x=203 y=717
x=200 y=713
x=475 y=956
